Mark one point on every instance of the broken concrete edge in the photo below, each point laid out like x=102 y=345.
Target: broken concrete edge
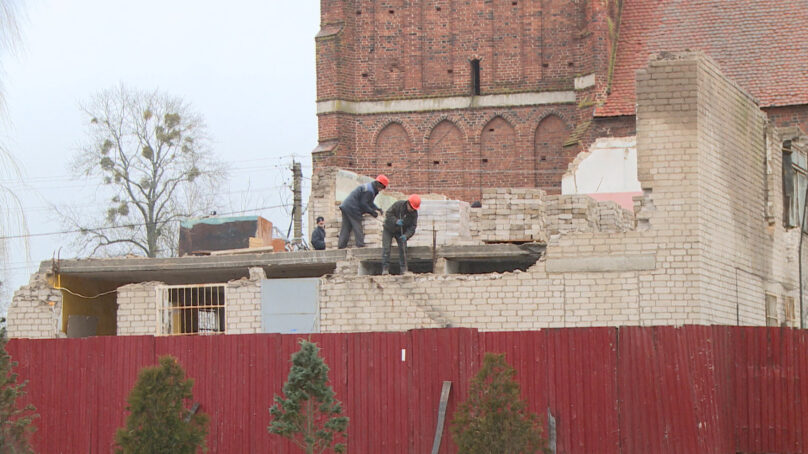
x=248 y=261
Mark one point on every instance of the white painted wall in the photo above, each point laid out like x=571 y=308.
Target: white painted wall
x=610 y=166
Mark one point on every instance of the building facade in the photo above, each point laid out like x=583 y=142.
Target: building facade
x=712 y=239
x=452 y=97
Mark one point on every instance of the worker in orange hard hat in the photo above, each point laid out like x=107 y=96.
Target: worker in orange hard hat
x=358 y=203
x=400 y=223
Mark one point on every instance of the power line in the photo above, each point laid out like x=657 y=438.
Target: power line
x=62 y=232
x=29 y=182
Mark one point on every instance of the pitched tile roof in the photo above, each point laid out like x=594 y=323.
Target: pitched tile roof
x=760 y=44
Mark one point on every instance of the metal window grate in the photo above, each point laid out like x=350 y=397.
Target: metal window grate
x=191 y=309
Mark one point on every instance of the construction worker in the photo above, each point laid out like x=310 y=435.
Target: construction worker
x=359 y=202
x=400 y=223
x=318 y=235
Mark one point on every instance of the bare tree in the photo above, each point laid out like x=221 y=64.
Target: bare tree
x=150 y=150
x=12 y=216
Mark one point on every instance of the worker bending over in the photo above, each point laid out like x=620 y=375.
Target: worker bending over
x=358 y=203
x=400 y=223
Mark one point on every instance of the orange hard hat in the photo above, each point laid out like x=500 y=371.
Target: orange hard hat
x=383 y=180
x=415 y=201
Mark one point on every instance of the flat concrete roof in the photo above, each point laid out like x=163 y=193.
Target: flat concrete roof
x=222 y=268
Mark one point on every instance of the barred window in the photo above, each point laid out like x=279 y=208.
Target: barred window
x=191 y=309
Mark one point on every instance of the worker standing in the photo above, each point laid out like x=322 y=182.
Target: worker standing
x=400 y=223
x=358 y=203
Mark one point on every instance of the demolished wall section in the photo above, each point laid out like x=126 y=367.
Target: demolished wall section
x=690 y=262
x=35 y=310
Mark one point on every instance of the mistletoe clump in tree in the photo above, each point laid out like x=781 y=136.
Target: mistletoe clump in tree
x=309 y=415
x=150 y=151
x=15 y=423
x=494 y=420
x=158 y=419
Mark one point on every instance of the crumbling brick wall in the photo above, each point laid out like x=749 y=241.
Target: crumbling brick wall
x=35 y=310
x=708 y=248
x=530 y=215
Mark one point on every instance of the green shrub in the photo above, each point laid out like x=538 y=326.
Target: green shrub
x=494 y=420
x=158 y=419
x=309 y=415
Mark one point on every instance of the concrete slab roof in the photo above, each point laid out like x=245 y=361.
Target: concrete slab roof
x=222 y=268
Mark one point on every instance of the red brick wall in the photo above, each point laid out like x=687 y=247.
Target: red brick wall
x=372 y=50
x=789 y=116
x=414 y=48
x=456 y=153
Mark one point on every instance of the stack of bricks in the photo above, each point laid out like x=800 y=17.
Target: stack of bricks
x=510 y=214
x=448 y=218
x=614 y=218
x=36 y=309
x=581 y=213
x=571 y=213
x=372 y=227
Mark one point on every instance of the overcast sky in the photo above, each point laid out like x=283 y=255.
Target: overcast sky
x=248 y=66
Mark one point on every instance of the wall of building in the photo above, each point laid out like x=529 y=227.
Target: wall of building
x=705 y=249
x=137 y=306
x=35 y=310
x=88 y=298
x=414 y=48
x=459 y=152
x=395 y=91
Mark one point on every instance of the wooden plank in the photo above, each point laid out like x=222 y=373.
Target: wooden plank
x=444 y=400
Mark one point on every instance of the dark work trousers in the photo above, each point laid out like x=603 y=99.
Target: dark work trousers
x=351 y=223
x=387 y=240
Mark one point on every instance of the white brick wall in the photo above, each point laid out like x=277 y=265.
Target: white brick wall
x=137 y=309
x=35 y=310
x=708 y=246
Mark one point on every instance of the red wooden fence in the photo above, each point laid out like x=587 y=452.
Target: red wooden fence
x=694 y=389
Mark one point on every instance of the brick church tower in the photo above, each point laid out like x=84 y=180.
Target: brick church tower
x=451 y=96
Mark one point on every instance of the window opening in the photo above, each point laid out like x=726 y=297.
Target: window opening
x=789 y=311
x=475 y=77
x=191 y=309
x=771 y=310
x=795 y=182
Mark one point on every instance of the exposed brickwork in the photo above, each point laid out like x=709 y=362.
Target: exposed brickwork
x=789 y=116
x=137 y=309
x=422 y=49
x=707 y=249
x=35 y=310
x=457 y=153
x=416 y=48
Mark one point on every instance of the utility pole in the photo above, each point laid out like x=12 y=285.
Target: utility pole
x=297 y=210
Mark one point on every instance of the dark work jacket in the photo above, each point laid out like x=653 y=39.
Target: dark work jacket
x=398 y=211
x=318 y=238
x=360 y=201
